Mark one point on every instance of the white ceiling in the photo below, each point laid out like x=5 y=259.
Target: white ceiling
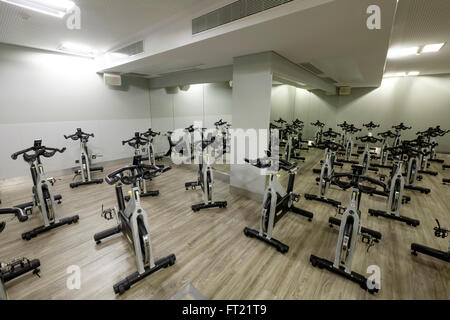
x=333 y=36
x=105 y=24
x=420 y=22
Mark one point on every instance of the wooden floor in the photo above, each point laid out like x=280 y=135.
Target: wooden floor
x=213 y=254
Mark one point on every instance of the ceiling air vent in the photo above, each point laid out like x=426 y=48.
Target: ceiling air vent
x=132 y=49
x=232 y=12
x=136 y=75
x=311 y=68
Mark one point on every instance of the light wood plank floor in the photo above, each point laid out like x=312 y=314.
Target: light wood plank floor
x=212 y=252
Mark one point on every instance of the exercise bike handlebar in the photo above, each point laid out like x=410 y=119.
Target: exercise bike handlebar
x=20 y=215
x=369 y=139
x=318 y=124
x=117 y=175
x=79 y=135
x=220 y=123
x=136 y=141
x=401 y=127
x=328 y=144
x=150 y=133
x=356 y=178
x=371 y=125
x=38 y=151
x=330 y=133
x=280 y=121
x=388 y=134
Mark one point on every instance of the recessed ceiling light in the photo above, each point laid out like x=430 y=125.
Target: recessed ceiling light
x=432 y=47
x=55 y=8
x=413 y=73
x=398 y=53
x=77 y=49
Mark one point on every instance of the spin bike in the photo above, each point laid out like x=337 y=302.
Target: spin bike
x=297 y=142
x=18 y=267
x=436 y=132
x=413 y=166
x=439 y=232
x=398 y=132
x=326 y=173
x=384 y=152
x=426 y=146
x=151 y=155
x=132 y=222
x=347 y=141
x=277 y=201
x=349 y=229
x=140 y=145
x=43 y=197
x=396 y=188
x=84 y=160
x=318 y=136
x=290 y=151
x=205 y=179
x=367 y=154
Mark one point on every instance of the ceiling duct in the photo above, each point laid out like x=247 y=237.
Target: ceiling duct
x=232 y=12
x=136 y=75
x=132 y=49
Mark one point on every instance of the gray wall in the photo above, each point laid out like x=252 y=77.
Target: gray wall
x=176 y=109
x=419 y=102
x=45 y=95
x=291 y=103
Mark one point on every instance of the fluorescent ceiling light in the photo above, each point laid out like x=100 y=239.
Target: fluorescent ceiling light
x=395 y=74
x=432 y=47
x=413 y=73
x=55 y=8
x=77 y=49
x=398 y=53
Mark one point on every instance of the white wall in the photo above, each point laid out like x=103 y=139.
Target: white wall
x=252 y=82
x=46 y=95
x=419 y=102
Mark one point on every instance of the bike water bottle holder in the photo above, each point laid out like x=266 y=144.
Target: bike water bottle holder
x=340 y=210
x=369 y=240
x=108 y=214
